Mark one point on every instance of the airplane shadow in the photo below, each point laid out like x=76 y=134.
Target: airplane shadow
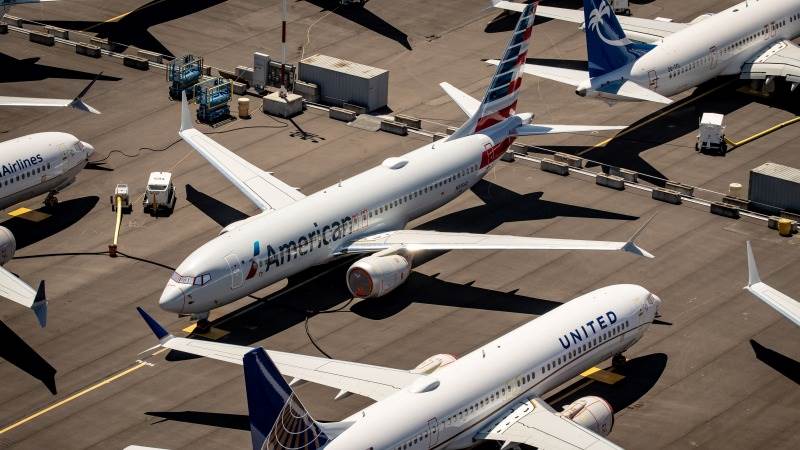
x=218 y=211
x=220 y=420
x=62 y=216
x=28 y=69
x=641 y=374
x=784 y=365
x=658 y=128
x=19 y=353
x=318 y=290
x=573 y=64
x=367 y=19
x=132 y=28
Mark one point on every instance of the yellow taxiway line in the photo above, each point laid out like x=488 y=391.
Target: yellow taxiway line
x=81 y=393
x=676 y=105
x=762 y=133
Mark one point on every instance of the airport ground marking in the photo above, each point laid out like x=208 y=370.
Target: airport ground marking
x=761 y=134
x=29 y=214
x=76 y=395
x=673 y=107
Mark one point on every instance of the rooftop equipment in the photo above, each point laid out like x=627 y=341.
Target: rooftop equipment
x=183 y=73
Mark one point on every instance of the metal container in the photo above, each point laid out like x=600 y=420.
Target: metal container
x=342 y=81
x=260 y=65
x=774 y=187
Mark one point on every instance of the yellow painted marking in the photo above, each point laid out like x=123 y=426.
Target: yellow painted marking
x=762 y=133
x=676 y=105
x=29 y=214
x=213 y=333
x=603 y=376
x=75 y=396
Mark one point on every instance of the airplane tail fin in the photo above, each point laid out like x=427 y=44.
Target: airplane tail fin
x=752 y=269
x=500 y=100
x=39 y=305
x=606 y=43
x=77 y=102
x=277 y=418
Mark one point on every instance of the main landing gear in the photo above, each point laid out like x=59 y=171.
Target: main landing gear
x=51 y=201
x=618 y=361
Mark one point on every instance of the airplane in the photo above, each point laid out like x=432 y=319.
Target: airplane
x=442 y=404
x=75 y=103
x=751 y=39
x=367 y=213
x=776 y=299
x=30 y=166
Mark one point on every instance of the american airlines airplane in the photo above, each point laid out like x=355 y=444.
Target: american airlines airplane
x=364 y=214
x=493 y=393
x=75 y=103
x=30 y=166
x=751 y=39
x=777 y=300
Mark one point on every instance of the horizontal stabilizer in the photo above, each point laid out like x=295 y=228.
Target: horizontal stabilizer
x=777 y=300
x=571 y=77
x=633 y=91
x=539 y=129
x=464 y=101
x=39 y=305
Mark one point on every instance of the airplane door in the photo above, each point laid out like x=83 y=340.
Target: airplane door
x=364 y=219
x=237 y=277
x=773 y=30
x=433 y=432
x=713 y=55
x=653 y=76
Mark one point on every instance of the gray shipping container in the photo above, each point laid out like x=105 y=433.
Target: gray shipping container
x=343 y=81
x=774 y=187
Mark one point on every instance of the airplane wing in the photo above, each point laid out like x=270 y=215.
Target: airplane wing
x=567 y=76
x=636 y=28
x=263 y=189
x=779 y=301
x=374 y=382
x=535 y=423
x=75 y=103
x=779 y=60
x=414 y=240
x=18 y=291
x=541 y=128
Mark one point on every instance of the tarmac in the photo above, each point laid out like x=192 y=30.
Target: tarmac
x=720 y=371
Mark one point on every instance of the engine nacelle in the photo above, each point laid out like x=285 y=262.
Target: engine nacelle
x=592 y=413
x=700 y=18
x=433 y=363
x=8 y=245
x=376 y=276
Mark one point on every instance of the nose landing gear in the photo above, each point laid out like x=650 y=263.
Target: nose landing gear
x=51 y=201
x=203 y=325
x=618 y=361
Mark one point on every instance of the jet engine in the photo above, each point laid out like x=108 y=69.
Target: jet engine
x=700 y=18
x=592 y=413
x=433 y=364
x=8 y=245
x=376 y=275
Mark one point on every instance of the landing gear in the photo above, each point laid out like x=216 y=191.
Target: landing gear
x=618 y=361
x=51 y=201
x=203 y=325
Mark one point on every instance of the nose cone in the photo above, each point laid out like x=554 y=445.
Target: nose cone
x=88 y=147
x=172 y=299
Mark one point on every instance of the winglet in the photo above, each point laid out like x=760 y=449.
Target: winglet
x=752 y=270
x=77 y=102
x=186 y=117
x=631 y=247
x=157 y=329
x=39 y=305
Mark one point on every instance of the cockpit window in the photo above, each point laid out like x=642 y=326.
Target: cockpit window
x=202 y=279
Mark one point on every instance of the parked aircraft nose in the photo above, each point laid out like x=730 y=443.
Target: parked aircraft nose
x=88 y=147
x=172 y=299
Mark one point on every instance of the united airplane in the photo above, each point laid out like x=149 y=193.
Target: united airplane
x=777 y=300
x=752 y=40
x=364 y=214
x=494 y=393
x=30 y=166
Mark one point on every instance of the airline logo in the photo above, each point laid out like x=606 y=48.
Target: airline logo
x=604 y=30
x=22 y=164
x=294 y=429
x=588 y=330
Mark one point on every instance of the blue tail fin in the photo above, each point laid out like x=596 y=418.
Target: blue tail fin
x=606 y=43
x=277 y=418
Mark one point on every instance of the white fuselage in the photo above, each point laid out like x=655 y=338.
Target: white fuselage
x=461 y=398
x=39 y=163
x=258 y=251
x=717 y=45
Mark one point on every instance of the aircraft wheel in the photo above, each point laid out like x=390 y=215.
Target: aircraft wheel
x=618 y=360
